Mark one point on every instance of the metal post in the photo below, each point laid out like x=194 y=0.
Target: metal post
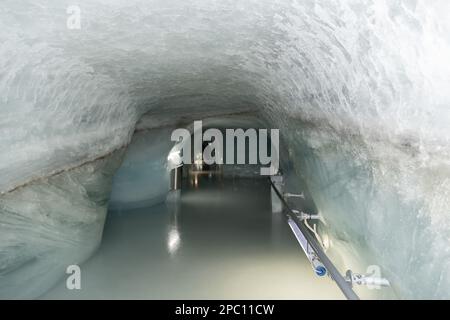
x=277 y=205
x=175 y=178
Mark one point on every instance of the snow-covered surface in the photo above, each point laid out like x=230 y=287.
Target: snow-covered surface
x=358 y=88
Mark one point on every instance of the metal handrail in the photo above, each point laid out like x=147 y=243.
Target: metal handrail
x=332 y=270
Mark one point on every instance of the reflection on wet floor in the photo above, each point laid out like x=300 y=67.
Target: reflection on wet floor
x=219 y=241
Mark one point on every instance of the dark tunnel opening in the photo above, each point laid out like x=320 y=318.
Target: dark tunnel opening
x=218 y=226
x=358 y=90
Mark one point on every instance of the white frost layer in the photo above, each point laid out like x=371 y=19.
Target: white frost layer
x=369 y=76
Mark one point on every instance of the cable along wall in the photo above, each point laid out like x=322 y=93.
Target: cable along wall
x=359 y=89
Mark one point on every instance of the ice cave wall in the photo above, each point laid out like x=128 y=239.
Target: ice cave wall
x=359 y=89
x=143 y=178
x=52 y=223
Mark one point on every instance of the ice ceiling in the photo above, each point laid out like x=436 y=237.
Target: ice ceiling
x=359 y=89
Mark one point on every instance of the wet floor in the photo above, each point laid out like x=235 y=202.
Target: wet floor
x=219 y=241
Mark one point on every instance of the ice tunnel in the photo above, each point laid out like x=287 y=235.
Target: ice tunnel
x=358 y=89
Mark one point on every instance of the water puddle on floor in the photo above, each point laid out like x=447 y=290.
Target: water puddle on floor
x=219 y=241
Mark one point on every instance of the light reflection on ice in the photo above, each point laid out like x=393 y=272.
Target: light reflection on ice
x=359 y=89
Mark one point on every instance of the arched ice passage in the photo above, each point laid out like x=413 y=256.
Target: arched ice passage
x=358 y=88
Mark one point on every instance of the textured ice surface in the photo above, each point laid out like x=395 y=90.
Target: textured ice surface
x=358 y=88
x=143 y=178
x=50 y=224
